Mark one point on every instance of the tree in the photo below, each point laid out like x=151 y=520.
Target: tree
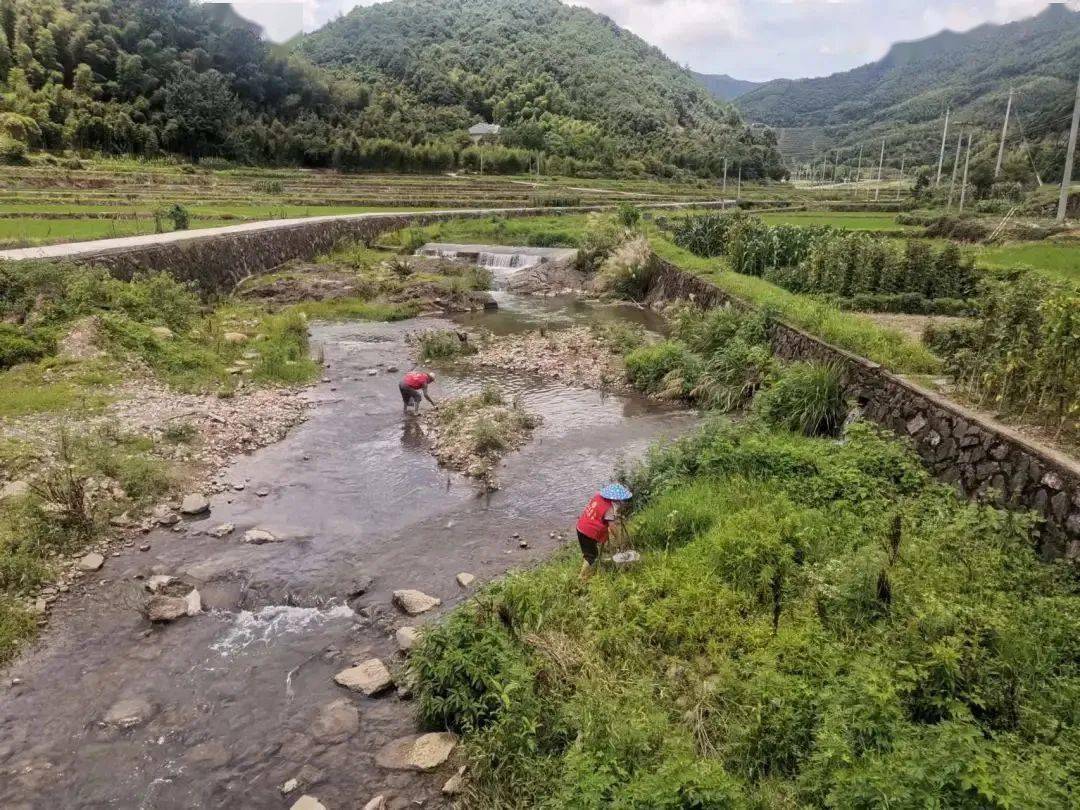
x=199 y=108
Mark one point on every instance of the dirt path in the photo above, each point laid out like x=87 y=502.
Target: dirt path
x=228 y=705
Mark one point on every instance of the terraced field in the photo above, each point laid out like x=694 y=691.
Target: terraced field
x=42 y=204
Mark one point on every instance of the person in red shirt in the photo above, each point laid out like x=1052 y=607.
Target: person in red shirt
x=414 y=384
x=594 y=525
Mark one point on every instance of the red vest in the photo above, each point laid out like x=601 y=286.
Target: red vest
x=416 y=379
x=591 y=523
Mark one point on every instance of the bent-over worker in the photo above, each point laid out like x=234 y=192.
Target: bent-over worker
x=594 y=525
x=412 y=385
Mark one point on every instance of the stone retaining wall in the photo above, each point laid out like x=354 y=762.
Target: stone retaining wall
x=976 y=455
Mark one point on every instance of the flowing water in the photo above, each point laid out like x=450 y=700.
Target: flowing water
x=228 y=701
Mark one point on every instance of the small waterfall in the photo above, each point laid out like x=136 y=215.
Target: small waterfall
x=505 y=265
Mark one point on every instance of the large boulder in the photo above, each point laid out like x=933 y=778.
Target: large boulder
x=308 y=803
x=415 y=602
x=423 y=752
x=162 y=608
x=128 y=713
x=194 y=504
x=370 y=677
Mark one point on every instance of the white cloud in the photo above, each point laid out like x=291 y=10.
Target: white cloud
x=750 y=39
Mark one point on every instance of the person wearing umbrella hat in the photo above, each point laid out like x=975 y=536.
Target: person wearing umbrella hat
x=594 y=525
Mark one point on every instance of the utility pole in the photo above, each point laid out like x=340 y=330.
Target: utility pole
x=955 y=165
x=880 y=166
x=1066 y=180
x=941 y=157
x=858 y=175
x=963 y=187
x=836 y=167
x=738 y=194
x=1004 y=132
x=725 y=176
x=903 y=162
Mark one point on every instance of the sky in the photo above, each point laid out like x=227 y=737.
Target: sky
x=748 y=39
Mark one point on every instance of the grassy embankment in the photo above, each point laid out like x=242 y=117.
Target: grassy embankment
x=814 y=624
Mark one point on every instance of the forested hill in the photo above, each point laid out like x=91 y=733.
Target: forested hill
x=561 y=80
x=724 y=87
x=396 y=88
x=904 y=95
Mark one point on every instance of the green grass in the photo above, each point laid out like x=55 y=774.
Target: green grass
x=813 y=624
x=1058 y=259
x=504 y=231
x=846 y=330
x=25 y=390
x=356 y=309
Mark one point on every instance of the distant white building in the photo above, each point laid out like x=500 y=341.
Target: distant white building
x=484 y=132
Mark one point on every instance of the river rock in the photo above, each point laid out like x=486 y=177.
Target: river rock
x=422 y=752
x=208 y=754
x=14 y=489
x=258 y=536
x=289 y=786
x=166 y=608
x=158 y=581
x=163 y=515
x=465 y=580
x=415 y=602
x=406 y=638
x=378 y=803
x=308 y=803
x=336 y=722
x=128 y=713
x=91 y=562
x=194 y=602
x=222 y=530
x=234 y=337
x=370 y=677
x=194 y=504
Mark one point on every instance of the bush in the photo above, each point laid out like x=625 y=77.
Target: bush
x=18 y=346
x=733 y=374
x=12 y=151
x=443 y=344
x=806 y=398
x=628 y=270
x=628 y=215
x=177 y=214
x=667 y=369
x=705 y=234
x=602 y=235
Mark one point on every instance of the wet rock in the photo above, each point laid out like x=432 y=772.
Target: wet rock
x=128 y=713
x=392 y=369
x=158 y=581
x=194 y=504
x=163 y=515
x=415 y=602
x=308 y=803
x=336 y=722
x=523 y=544
x=262 y=492
x=144 y=547
x=209 y=755
x=422 y=752
x=239 y=486
x=406 y=638
x=91 y=562
x=372 y=372
x=258 y=536
x=465 y=580
x=14 y=489
x=222 y=530
x=194 y=602
x=289 y=786
x=166 y=608
x=378 y=803
x=370 y=677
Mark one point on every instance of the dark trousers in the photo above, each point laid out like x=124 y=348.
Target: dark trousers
x=590 y=549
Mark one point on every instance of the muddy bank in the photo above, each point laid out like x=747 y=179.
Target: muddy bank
x=225 y=707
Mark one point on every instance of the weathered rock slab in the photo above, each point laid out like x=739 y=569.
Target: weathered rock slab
x=415 y=602
x=369 y=678
x=423 y=752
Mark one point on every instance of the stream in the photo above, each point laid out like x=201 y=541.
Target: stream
x=227 y=706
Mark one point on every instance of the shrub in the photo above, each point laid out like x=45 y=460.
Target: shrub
x=628 y=270
x=705 y=234
x=177 y=214
x=12 y=151
x=667 y=369
x=18 y=346
x=602 y=235
x=733 y=374
x=628 y=215
x=443 y=344
x=806 y=398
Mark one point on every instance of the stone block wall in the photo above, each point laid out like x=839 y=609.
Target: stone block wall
x=977 y=456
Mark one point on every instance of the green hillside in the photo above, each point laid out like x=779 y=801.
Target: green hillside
x=724 y=87
x=904 y=95
x=561 y=80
